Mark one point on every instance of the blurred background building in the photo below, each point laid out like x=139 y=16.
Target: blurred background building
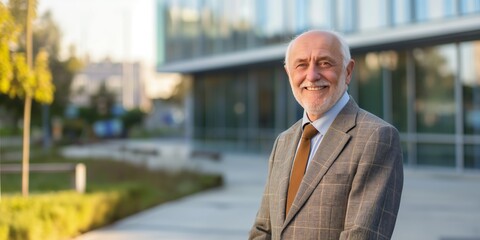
x=417 y=67
x=125 y=81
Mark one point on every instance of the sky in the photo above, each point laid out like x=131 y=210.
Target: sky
x=118 y=29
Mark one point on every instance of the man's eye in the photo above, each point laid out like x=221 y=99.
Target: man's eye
x=301 y=65
x=325 y=64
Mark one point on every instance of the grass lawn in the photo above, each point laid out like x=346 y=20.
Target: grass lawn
x=105 y=174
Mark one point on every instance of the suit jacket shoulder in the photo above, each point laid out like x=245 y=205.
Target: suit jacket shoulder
x=353 y=116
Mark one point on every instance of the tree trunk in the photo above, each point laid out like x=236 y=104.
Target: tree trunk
x=28 y=104
x=26 y=144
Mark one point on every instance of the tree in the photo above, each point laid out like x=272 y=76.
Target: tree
x=47 y=35
x=8 y=39
x=102 y=102
x=8 y=36
x=9 y=31
x=26 y=80
x=132 y=118
x=63 y=72
x=30 y=83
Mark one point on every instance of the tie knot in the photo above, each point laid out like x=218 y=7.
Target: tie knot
x=309 y=131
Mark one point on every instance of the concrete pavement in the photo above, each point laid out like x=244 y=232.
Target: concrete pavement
x=436 y=205
x=439 y=205
x=224 y=213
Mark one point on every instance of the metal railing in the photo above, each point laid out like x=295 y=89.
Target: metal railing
x=78 y=170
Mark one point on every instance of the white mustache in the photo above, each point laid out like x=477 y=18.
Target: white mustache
x=321 y=83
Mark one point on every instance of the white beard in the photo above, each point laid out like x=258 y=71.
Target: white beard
x=319 y=108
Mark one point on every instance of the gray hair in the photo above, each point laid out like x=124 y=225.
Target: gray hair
x=345 y=49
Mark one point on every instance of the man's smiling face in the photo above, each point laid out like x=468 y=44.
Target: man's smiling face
x=316 y=72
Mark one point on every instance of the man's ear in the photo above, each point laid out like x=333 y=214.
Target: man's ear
x=350 y=66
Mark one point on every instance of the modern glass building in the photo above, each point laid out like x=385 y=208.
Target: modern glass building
x=417 y=66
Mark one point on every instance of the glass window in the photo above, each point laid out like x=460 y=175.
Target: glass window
x=236 y=100
x=199 y=107
x=161 y=26
x=190 y=20
x=172 y=31
x=292 y=110
x=294 y=17
x=405 y=152
x=210 y=23
x=320 y=13
x=469 y=6
x=398 y=62
x=470 y=75
x=472 y=156
x=450 y=8
x=242 y=21
x=369 y=81
x=215 y=94
x=436 y=154
x=301 y=15
x=372 y=14
x=190 y=16
x=173 y=15
x=435 y=70
x=345 y=15
x=401 y=12
x=225 y=23
x=273 y=26
x=266 y=97
x=260 y=22
x=286 y=107
x=434 y=9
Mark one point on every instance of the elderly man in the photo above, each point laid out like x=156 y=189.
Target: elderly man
x=337 y=173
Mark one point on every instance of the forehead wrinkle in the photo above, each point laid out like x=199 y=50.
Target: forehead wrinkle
x=321 y=46
x=328 y=36
x=314 y=56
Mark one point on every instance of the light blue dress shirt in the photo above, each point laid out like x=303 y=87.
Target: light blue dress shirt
x=323 y=123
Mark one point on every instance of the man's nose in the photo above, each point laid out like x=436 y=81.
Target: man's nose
x=313 y=73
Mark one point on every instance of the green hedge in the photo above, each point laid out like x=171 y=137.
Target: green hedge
x=64 y=214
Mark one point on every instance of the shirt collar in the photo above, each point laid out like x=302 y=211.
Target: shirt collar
x=323 y=123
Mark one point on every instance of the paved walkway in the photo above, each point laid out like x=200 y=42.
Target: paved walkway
x=439 y=205
x=224 y=213
x=436 y=205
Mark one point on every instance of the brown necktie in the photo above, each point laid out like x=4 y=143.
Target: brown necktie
x=300 y=164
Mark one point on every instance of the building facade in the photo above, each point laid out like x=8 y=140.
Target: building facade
x=125 y=81
x=417 y=67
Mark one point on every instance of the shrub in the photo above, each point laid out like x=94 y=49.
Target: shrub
x=64 y=214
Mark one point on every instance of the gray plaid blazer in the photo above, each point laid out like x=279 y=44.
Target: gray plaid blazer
x=352 y=187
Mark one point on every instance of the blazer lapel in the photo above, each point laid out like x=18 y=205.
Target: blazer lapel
x=289 y=144
x=333 y=143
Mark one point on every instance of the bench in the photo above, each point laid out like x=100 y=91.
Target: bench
x=216 y=156
x=78 y=169
x=146 y=151
x=140 y=151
